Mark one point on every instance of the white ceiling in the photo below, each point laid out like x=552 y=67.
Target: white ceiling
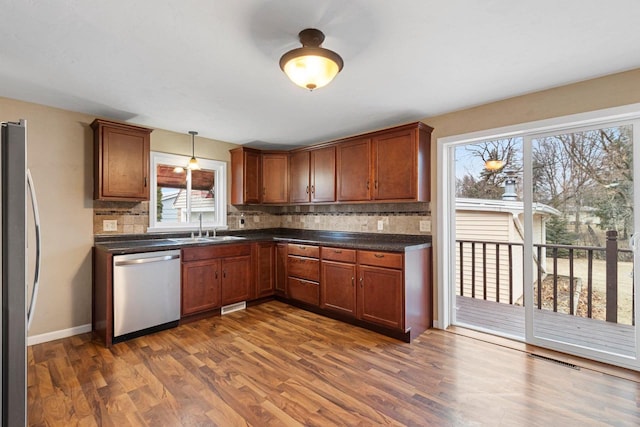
x=212 y=65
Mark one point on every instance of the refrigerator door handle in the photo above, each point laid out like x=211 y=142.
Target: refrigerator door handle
x=36 y=275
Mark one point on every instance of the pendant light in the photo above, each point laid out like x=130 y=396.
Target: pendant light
x=311 y=66
x=193 y=163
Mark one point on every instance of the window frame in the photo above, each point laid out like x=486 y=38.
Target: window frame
x=220 y=170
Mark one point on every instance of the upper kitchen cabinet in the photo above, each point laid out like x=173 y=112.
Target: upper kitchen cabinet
x=275 y=177
x=389 y=165
x=121 y=161
x=299 y=177
x=353 y=161
x=245 y=176
x=313 y=175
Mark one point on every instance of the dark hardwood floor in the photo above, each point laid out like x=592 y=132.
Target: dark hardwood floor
x=277 y=365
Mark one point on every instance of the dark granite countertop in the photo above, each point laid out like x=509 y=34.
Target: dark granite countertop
x=132 y=243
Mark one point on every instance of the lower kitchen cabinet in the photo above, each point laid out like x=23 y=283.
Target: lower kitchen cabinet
x=389 y=292
x=214 y=276
x=303 y=270
x=380 y=296
x=337 y=287
x=281 y=269
x=264 y=253
x=236 y=279
x=201 y=286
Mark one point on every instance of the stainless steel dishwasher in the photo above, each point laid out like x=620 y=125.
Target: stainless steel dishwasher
x=146 y=293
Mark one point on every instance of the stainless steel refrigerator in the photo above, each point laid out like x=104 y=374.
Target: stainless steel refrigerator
x=16 y=184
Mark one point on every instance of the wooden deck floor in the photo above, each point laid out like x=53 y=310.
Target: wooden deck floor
x=276 y=365
x=509 y=320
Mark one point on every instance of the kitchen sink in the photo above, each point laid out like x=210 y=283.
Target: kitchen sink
x=209 y=239
x=227 y=238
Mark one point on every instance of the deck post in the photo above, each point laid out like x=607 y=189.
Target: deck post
x=612 y=276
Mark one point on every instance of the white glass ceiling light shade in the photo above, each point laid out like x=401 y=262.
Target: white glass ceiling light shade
x=193 y=163
x=493 y=165
x=311 y=66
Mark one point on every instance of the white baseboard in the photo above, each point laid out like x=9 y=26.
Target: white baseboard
x=436 y=324
x=55 y=335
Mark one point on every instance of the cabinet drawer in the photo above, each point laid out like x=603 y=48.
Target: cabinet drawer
x=304 y=250
x=214 y=251
x=380 y=259
x=304 y=290
x=304 y=268
x=339 y=254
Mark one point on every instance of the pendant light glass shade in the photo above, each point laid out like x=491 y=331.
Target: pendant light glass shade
x=193 y=163
x=311 y=66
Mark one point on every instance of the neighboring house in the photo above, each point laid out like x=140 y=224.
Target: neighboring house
x=169 y=212
x=500 y=221
x=587 y=215
x=202 y=202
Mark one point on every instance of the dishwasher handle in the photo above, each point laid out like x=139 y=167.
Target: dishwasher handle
x=147 y=260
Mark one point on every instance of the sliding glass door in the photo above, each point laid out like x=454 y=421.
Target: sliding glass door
x=540 y=232
x=580 y=276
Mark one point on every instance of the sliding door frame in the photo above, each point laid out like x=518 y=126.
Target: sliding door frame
x=444 y=220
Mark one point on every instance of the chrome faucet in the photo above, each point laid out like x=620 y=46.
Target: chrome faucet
x=200 y=227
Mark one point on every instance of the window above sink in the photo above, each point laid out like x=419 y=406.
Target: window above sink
x=180 y=196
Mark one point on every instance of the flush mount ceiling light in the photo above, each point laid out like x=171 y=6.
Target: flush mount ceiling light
x=494 y=165
x=311 y=66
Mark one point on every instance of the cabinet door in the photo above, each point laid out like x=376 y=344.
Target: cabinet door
x=323 y=174
x=299 y=177
x=200 y=286
x=380 y=296
x=251 y=177
x=122 y=164
x=265 y=267
x=281 y=268
x=353 y=162
x=395 y=166
x=275 y=178
x=245 y=176
x=236 y=279
x=337 y=287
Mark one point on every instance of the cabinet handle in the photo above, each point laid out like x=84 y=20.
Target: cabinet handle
x=361 y=285
x=353 y=281
x=224 y=274
x=338 y=251
x=367 y=184
x=145 y=181
x=376 y=184
x=216 y=274
x=313 y=189
x=264 y=191
x=378 y=255
x=302 y=247
x=307 y=189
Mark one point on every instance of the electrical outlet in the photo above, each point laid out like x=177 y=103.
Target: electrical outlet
x=110 y=225
x=425 y=226
x=241 y=224
x=380 y=225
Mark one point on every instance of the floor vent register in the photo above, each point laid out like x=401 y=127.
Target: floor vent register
x=233 y=307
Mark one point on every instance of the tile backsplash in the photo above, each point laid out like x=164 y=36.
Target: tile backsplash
x=395 y=218
x=131 y=217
